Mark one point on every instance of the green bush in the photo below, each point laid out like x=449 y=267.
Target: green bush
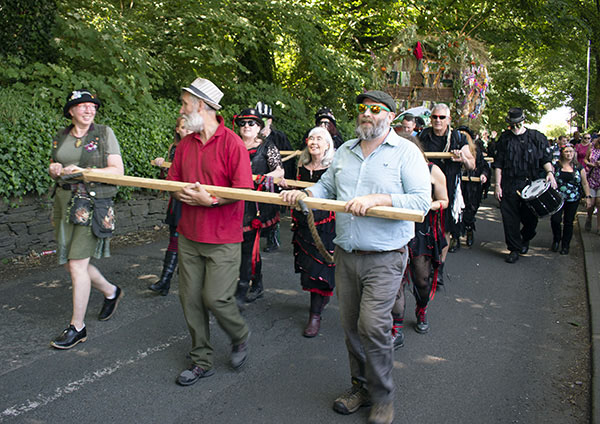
x=28 y=125
x=27 y=130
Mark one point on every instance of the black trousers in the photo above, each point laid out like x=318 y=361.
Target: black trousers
x=246 y=262
x=568 y=210
x=516 y=213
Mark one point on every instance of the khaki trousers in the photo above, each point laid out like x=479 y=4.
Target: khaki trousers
x=208 y=275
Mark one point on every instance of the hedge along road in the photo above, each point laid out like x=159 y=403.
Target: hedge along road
x=508 y=344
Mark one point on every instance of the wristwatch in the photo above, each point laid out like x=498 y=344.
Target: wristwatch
x=215 y=202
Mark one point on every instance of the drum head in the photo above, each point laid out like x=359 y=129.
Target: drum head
x=534 y=189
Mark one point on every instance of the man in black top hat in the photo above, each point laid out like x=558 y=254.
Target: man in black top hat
x=289 y=166
x=523 y=155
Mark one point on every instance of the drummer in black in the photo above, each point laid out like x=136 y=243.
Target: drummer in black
x=523 y=155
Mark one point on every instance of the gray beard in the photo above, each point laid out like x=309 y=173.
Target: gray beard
x=372 y=133
x=194 y=122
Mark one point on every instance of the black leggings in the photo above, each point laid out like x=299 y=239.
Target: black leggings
x=420 y=270
x=568 y=211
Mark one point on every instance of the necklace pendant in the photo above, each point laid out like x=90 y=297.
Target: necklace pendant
x=78 y=143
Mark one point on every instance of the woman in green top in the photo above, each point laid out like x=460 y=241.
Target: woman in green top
x=82 y=145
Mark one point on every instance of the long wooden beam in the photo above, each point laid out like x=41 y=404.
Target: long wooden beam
x=291 y=183
x=430 y=155
x=249 y=195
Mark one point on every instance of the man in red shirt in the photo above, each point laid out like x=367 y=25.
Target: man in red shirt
x=210 y=228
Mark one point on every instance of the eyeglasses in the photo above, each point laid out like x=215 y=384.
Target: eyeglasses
x=587 y=138
x=323 y=123
x=249 y=123
x=440 y=117
x=83 y=106
x=375 y=109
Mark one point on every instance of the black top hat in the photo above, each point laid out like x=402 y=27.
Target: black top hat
x=249 y=114
x=79 y=96
x=325 y=112
x=265 y=110
x=515 y=115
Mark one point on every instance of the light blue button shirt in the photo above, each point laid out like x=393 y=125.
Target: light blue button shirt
x=396 y=167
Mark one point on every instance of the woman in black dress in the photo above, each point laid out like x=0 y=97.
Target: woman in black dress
x=316 y=274
x=163 y=285
x=258 y=217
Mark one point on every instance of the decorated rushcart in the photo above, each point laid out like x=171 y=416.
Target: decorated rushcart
x=419 y=70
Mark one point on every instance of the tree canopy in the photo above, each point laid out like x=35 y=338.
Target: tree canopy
x=307 y=53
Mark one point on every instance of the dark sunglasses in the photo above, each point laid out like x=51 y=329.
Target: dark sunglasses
x=375 y=109
x=440 y=117
x=249 y=123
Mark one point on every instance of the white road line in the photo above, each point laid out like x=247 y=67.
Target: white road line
x=44 y=399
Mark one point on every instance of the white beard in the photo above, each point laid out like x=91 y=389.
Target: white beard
x=371 y=133
x=194 y=122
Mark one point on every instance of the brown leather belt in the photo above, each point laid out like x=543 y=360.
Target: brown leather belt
x=375 y=252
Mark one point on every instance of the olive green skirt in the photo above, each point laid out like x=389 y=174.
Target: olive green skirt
x=74 y=241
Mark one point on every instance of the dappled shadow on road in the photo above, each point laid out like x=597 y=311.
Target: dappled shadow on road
x=489 y=213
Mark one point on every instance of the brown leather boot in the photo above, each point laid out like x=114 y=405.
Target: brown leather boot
x=313 y=326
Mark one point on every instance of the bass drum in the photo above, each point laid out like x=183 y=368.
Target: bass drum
x=541 y=198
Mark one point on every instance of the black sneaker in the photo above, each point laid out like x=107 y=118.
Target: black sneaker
x=193 y=374
x=69 y=338
x=397 y=337
x=110 y=306
x=422 y=325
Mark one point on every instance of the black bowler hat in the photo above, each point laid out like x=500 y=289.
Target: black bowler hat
x=79 y=96
x=515 y=115
x=379 y=97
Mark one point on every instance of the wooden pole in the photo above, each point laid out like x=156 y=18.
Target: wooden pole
x=249 y=195
x=291 y=183
x=290 y=156
x=472 y=179
x=430 y=155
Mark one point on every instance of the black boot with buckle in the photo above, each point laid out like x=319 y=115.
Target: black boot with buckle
x=163 y=285
x=256 y=289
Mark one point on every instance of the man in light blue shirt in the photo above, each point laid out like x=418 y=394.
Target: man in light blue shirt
x=379 y=168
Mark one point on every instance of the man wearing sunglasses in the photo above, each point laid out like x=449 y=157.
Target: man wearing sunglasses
x=379 y=168
x=523 y=156
x=440 y=137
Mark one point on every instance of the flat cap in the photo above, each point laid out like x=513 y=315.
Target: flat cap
x=379 y=97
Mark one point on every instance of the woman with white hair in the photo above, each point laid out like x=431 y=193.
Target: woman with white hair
x=316 y=274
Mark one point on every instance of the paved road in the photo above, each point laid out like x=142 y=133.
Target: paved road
x=508 y=344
